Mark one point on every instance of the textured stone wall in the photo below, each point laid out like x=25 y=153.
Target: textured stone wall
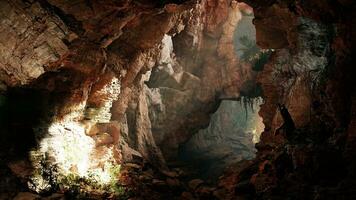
x=31 y=39
x=161 y=70
x=130 y=80
x=311 y=74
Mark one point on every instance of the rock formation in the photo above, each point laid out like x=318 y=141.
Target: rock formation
x=88 y=87
x=112 y=82
x=310 y=72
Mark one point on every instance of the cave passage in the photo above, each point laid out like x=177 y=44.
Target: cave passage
x=235 y=127
x=234 y=130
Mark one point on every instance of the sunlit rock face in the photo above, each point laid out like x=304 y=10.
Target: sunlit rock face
x=81 y=143
x=233 y=131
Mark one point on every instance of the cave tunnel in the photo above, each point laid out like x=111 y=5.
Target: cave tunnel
x=231 y=136
x=235 y=127
x=177 y=99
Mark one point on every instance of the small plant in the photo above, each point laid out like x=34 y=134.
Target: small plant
x=250 y=48
x=261 y=59
x=251 y=53
x=78 y=186
x=43 y=178
x=115 y=187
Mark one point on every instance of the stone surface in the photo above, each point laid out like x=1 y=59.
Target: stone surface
x=195 y=183
x=103 y=139
x=150 y=75
x=31 y=40
x=296 y=76
x=93 y=65
x=187 y=196
x=27 y=196
x=21 y=168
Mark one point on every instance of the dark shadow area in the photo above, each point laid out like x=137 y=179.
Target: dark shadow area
x=21 y=110
x=250 y=89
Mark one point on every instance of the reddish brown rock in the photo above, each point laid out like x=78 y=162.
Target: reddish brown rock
x=21 y=168
x=27 y=196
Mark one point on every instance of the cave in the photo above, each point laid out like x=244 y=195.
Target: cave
x=235 y=127
x=230 y=138
x=177 y=99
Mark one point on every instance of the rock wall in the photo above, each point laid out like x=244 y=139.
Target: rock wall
x=118 y=82
x=236 y=126
x=188 y=78
x=309 y=72
x=31 y=39
x=89 y=85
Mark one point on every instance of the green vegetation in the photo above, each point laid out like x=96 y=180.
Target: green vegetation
x=253 y=54
x=250 y=48
x=84 y=187
x=261 y=59
x=48 y=178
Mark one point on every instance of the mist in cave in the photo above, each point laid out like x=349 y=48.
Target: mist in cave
x=231 y=137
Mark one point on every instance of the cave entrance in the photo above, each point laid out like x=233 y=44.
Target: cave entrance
x=231 y=136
